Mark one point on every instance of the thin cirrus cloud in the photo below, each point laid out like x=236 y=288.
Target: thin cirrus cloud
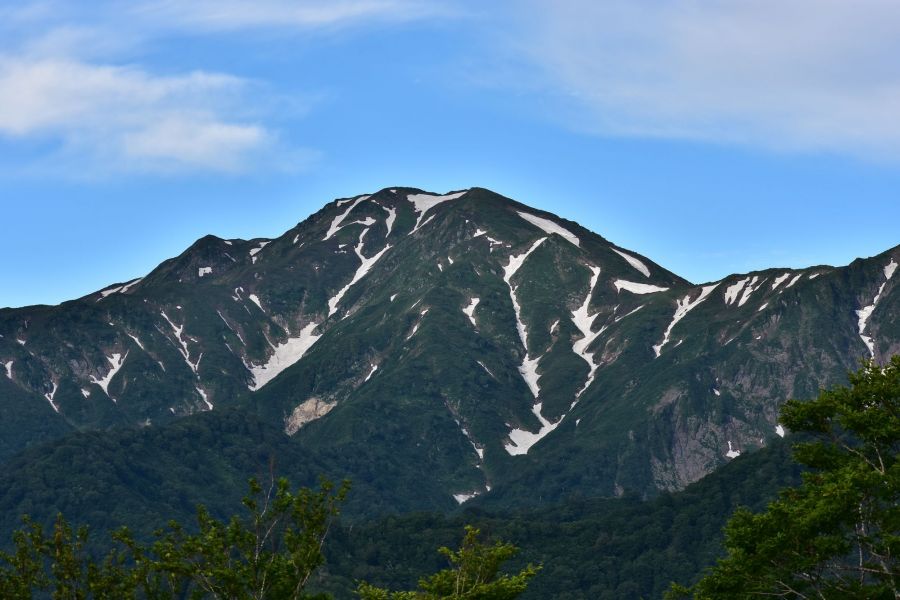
x=128 y=118
x=785 y=75
x=227 y=15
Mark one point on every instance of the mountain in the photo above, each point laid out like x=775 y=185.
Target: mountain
x=435 y=348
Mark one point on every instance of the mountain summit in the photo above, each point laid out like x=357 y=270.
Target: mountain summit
x=463 y=341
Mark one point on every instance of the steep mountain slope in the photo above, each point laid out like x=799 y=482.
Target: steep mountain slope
x=465 y=338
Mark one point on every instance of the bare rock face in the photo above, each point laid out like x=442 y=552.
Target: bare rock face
x=312 y=409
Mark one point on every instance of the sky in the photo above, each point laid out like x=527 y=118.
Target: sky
x=712 y=137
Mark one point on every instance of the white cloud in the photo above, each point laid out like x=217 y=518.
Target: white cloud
x=225 y=15
x=783 y=74
x=129 y=118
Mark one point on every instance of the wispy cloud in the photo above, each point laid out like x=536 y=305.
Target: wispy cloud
x=810 y=75
x=72 y=77
x=128 y=118
x=227 y=15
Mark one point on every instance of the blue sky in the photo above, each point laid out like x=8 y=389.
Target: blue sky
x=711 y=137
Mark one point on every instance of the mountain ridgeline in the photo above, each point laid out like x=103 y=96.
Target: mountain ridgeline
x=446 y=349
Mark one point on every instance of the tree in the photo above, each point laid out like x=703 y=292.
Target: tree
x=271 y=553
x=474 y=575
x=837 y=535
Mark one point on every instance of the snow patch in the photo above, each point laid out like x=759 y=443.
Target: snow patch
x=20 y=341
x=761 y=308
x=550 y=227
x=136 y=340
x=204 y=271
x=682 y=308
x=392 y=216
x=731 y=452
x=634 y=262
x=336 y=223
x=889 y=269
x=85 y=392
x=9 y=366
x=364 y=267
x=255 y=299
x=749 y=289
x=794 y=280
x=49 y=396
x=521 y=440
x=283 y=356
x=528 y=369
x=184 y=347
x=779 y=280
x=393 y=296
x=373 y=368
x=203 y=395
x=256 y=250
x=461 y=498
x=779 y=430
x=116 y=361
x=717 y=392
x=584 y=321
x=422 y=203
x=732 y=292
x=486 y=369
x=469 y=311
x=637 y=288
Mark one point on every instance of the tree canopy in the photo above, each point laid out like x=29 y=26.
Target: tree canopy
x=837 y=535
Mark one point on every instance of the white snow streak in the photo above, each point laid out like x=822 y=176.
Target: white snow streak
x=634 y=262
x=866 y=312
x=283 y=356
x=422 y=203
x=8 y=365
x=889 y=269
x=550 y=227
x=469 y=311
x=50 y=395
x=373 y=368
x=794 y=280
x=203 y=395
x=637 y=288
x=522 y=440
x=116 y=361
x=112 y=290
x=85 y=392
x=751 y=287
x=529 y=366
x=365 y=265
x=461 y=498
x=335 y=224
x=255 y=299
x=392 y=216
x=779 y=280
x=486 y=369
x=683 y=307
x=732 y=292
x=761 y=308
x=393 y=296
x=584 y=321
x=256 y=250
x=779 y=430
x=136 y=340
x=184 y=347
